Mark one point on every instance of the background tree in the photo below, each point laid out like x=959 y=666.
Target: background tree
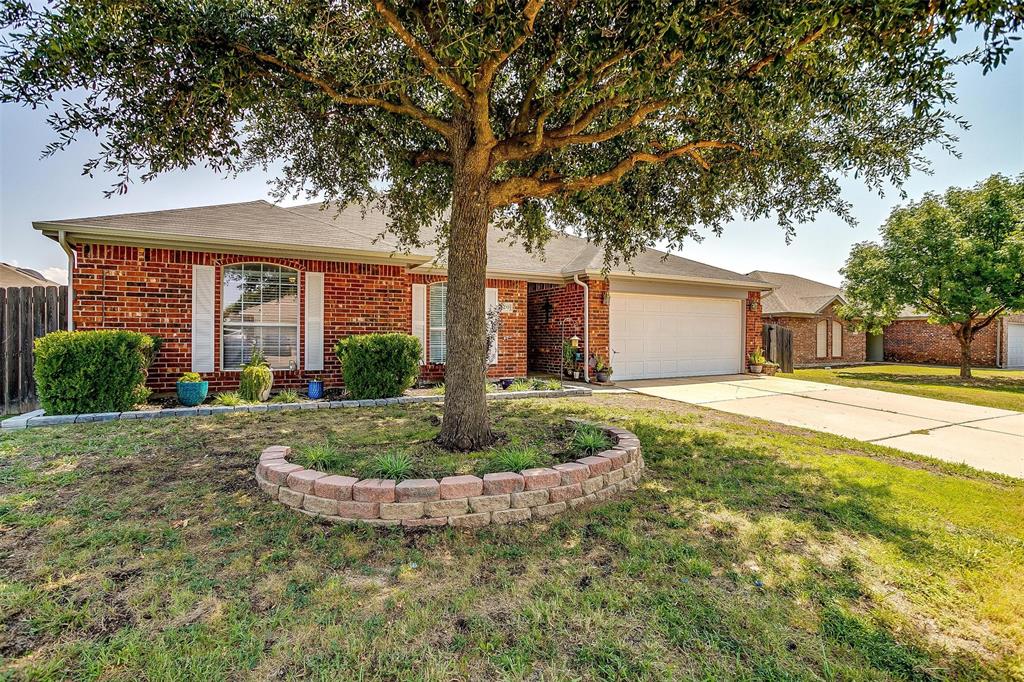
x=629 y=121
x=958 y=257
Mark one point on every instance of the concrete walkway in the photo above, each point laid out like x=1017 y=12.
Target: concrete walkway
x=983 y=437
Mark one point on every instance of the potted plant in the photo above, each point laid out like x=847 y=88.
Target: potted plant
x=770 y=368
x=257 y=378
x=602 y=369
x=316 y=388
x=192 y=389
x=756 y=361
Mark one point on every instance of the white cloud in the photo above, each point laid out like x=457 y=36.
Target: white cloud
x=58 y=275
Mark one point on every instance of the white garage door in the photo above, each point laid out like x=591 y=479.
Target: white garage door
x=1015 y=345
x=672 y=336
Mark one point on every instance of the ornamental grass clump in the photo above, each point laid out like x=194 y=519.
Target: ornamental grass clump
x=257 y=378
x=286 y=396
x=320 y=456
x=394 y=465
x=520 y=385
x=589 y=439
x=513 y=458
x=227 y=399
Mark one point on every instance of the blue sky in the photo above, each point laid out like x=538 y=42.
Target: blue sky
x=36 y=189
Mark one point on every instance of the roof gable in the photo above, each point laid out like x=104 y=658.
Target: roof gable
x=795 y=295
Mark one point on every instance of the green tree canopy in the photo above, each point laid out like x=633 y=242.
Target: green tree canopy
x=956 y=257
x=630 y=121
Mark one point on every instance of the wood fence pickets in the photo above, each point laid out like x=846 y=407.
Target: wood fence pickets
x=26 y=313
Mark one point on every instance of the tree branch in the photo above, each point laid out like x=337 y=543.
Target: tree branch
x=515 y=190
x=406 y=108
x=768 y=60
x=434 y=68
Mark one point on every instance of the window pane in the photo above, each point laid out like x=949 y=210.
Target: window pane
x=260 y=306
x=438 y=345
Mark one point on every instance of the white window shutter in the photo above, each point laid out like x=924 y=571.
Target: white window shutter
x=419 y=318
x=822 y=340
x=203 y=284
x=492 y=302
x=314 y=349
x=837 y=339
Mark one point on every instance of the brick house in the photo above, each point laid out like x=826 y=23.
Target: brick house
x=912 y=338
x=213 y=281
x=808 y=308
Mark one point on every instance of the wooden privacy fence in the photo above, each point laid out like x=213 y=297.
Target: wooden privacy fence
x=26 y=313
x=778 y=346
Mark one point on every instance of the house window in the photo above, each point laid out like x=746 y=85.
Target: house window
x=260 y=308
x=837 y=339
x=438 y=294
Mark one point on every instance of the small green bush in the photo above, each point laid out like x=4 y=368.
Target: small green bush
x=189 y=378
x=228 y=399
x=547 y=385
x=513 y=458
x=379 y=365
x=92 y=371
x=257 y=377
x=589 y=439
x=394 y=465
x=286 y=396
x=520 y=385
x=438 y=389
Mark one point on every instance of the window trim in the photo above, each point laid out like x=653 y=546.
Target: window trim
x=431 y=328
x=298 y=317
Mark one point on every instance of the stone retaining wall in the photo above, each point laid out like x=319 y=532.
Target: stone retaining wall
x=460 y=501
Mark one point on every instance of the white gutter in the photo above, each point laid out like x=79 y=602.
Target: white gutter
x=63 y=241
x=586 y=327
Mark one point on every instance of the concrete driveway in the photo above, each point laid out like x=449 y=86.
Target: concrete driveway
x=983 y=437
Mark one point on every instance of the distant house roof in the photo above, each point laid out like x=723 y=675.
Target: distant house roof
x=13 y=276
x=259 y=227
x=794 y=295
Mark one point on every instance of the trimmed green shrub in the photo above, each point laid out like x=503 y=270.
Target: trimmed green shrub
x=92 y=371
x=257 y=378
x=378 y=365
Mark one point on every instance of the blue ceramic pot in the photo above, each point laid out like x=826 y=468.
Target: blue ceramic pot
x=316 y=390
x=192 y=393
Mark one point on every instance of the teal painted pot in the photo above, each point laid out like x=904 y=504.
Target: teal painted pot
x=192 y=393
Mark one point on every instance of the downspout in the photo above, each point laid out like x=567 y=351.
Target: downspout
x=586 y=327
x=63 y=241
x=999 y=342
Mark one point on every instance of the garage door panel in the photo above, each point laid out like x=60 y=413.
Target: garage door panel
x=664 y=336
x=1015 y=345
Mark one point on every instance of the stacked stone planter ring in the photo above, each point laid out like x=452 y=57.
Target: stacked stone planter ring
x=460 y=501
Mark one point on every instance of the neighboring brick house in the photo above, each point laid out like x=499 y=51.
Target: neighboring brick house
x=808 y=308
x=213 y=281
x=911 y=338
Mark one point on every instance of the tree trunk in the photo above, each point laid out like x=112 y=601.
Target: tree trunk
x=465 y=425
x=965 y=335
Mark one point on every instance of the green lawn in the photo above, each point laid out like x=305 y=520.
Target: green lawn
x=989 y=387
x=144 y=551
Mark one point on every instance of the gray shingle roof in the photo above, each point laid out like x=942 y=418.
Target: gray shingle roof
x=355 y=230
x=795 y=295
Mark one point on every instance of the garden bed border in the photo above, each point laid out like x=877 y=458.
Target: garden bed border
x=460 y=501
x=38 y=418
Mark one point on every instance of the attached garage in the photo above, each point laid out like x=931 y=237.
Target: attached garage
x=1015 y=344
x=660 y=336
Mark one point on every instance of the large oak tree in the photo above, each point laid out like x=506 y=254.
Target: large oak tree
x=957 y=257
x=630 y=121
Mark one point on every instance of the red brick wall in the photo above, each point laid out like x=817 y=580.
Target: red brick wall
x=545 y=329
x=920 y=341
x=150 y=290
x=805 y=340
x=511 y=337
x=754 y=325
